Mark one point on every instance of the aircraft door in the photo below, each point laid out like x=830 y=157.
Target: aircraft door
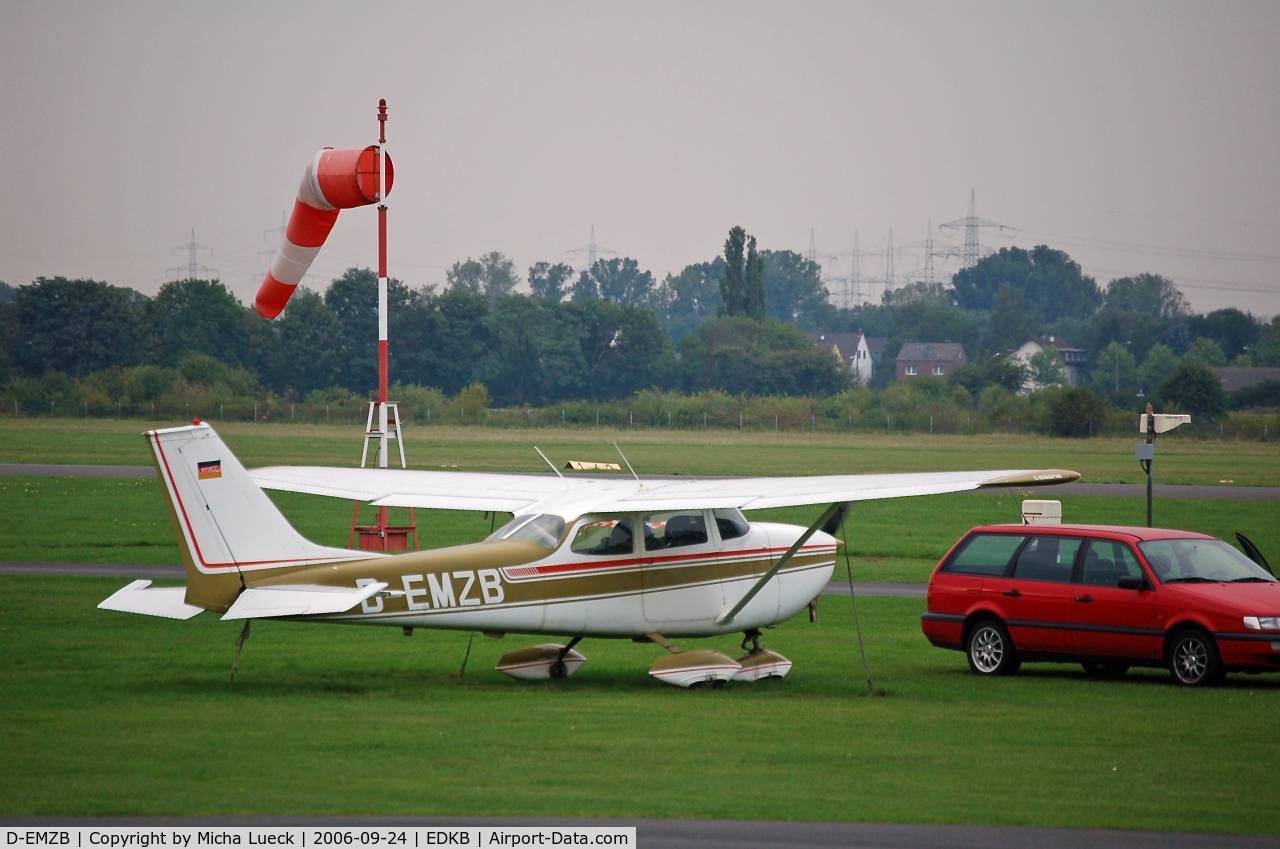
x=748 y=552
x=682 y=576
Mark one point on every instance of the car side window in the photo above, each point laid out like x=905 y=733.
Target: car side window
x=1106 y=562
x=674 y=529
x=603 y=536
x=984 y=554
x=1047 y=558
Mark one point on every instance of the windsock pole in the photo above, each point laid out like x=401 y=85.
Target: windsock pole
x=382 y=297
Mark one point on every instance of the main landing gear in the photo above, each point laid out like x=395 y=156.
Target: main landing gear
x=679 y=667
x=758 y=663
x=704 y=667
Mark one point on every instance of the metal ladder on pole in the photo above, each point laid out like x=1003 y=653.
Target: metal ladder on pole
x=394 y=538
x=393 y=411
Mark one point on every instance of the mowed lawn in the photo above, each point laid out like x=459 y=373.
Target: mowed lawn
x=109 y=714
x=103 y=520
x=1101 y=460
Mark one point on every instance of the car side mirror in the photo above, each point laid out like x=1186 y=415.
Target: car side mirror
x=1128 y=583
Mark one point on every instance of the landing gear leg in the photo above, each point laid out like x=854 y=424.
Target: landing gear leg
x=558 y=669
x=751 y=636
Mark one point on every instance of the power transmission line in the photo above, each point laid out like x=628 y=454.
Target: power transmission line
x=972 y=224
x=193 y=267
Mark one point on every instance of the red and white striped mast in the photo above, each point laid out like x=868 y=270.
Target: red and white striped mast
x=382 y=298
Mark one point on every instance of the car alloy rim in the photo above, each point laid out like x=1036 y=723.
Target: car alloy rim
x=987 y=649
x=1191 y=659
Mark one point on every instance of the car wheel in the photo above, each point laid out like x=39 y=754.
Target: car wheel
x=1193 y=659
x=990 y=651
x=1099 y=669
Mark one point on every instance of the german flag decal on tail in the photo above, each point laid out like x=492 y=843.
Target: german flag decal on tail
x=209 y=469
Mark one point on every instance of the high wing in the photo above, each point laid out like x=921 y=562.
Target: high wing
x=574 y=496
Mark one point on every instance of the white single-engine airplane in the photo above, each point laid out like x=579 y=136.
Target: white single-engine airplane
x=583 y=557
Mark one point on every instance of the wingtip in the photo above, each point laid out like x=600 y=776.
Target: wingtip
x=1038 y=477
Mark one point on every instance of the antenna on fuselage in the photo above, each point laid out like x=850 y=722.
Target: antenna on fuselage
x=628 y=462
x=548 y=462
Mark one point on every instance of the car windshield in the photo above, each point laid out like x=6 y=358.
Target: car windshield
x=1191 y=561
x=543 y=530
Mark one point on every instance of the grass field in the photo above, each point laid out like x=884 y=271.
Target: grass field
x=665 y=452
x=112 y=714
x=105 y=713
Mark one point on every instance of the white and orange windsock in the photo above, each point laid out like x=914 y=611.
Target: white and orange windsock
x=335 y=180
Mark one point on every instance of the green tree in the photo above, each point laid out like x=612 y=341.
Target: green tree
x=1234 y=330
x=1011 y=324
x=305 y=350
x=1116 y=373
x=493 y=275
x=75 y=326
x=619 y=280
x=1047 y=368
x=793 y=289
x=1158 y=364
x=549 y=281
x=690 y=297
x=623 y=348
x=1192 y=388
x=535 y=355
x=733 y=296
x=461 y=340
x=1075 y=412
x=196 y=316
x=1149 y=294
x=1008 y=373
x=1207 y=352
x=353 y=300
x=1052 y=284
x=744 y=356
x=753 y=282
x=1139 y=312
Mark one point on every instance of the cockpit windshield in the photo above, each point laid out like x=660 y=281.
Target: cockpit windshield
x=543 y=530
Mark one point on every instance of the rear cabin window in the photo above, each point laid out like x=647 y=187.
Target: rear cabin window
x=985 y=554
x=674 y=530
x=1106 y=562
x=602 y=537
x=1047 y=558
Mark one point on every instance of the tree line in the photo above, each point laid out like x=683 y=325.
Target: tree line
x=735 y=323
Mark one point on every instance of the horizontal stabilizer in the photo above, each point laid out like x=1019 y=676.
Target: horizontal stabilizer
x=141 y=597
x=299 y=600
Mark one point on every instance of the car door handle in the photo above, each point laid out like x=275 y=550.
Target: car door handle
x=1087 y=599
x=1012 y=593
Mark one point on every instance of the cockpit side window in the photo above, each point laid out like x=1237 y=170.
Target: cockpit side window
x=604 y=537
x=674 y=529
x=731 y=523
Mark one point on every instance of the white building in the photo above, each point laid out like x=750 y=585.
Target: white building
x=1074 y=360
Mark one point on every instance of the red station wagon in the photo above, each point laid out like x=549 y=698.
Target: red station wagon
x=1105 y=597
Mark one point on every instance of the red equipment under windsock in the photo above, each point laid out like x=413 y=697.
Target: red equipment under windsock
x=335 y=179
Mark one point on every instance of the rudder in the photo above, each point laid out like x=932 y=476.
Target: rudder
x=225 y=524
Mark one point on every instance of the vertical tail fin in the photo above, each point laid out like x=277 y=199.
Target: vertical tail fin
x=226 y=525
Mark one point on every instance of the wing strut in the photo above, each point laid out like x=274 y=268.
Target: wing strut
x=828 y=514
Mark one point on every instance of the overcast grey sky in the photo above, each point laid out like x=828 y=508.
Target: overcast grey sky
x=516 y=126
